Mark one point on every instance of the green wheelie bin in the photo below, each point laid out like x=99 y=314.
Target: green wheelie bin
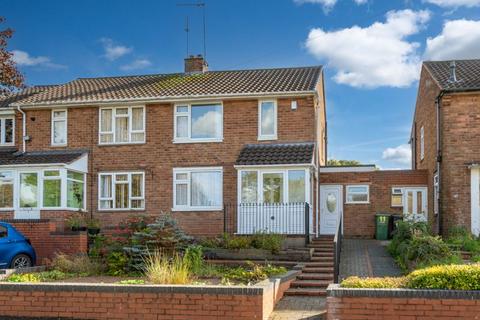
x=381 y=226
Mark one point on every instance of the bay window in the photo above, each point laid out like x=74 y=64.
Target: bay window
x=273 y=186
x=75 y=189
x=59 y=127
x=198 y=122
x=28 y=190
x=122 y=191
x=6 y=189
x=7 y=129
x=52 y=189
x=198 y=189
x=267 y=120
x=122 y=125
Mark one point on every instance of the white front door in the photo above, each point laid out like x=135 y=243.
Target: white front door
x=415 y=204
x=331 y=208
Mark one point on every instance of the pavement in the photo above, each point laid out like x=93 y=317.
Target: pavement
x=293 y=307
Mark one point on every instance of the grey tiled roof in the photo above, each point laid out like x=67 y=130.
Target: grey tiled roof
x=467 y=72
x=279 y=153
x=210 y=83
x=10 y=156
x=23 y=94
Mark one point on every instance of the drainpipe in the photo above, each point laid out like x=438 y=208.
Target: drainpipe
x=24 y=128
x=438 y=104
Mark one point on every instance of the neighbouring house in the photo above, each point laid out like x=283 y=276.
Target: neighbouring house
x=191 y=143
x=445 y=141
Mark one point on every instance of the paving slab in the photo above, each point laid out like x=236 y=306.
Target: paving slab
x=296 y=308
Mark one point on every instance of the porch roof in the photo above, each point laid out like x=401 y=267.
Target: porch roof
x=10 y=156
x=275 y=154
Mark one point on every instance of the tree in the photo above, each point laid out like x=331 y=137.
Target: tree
x=342 y=163
x=11 y=78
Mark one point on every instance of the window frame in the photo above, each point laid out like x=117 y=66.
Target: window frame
x=188 y=114
x=113 y=175
x=62 y=183
x=52 y=129
x=347 y=192
x=422 y=143
x=188 y=181
x=113 y=125
x=3 y=131
x=397 y=194
x=273 y=136
x=13 y=183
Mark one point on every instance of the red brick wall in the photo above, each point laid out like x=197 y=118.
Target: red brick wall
x=369 y=308
x=359 y=219
x=158 y=156
x=47 y=241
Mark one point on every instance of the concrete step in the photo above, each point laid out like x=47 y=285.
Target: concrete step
x=306 y=292
x=321 y=259
x=316 y=276
x=322 y=284
x=318 y=270
x=323 y=254
x=319 y=264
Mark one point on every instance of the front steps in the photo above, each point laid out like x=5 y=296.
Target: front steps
x=318 y=273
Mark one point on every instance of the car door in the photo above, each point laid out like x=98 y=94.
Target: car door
x=4 y=247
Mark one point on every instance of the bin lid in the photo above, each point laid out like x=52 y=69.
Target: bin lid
x=382 y=214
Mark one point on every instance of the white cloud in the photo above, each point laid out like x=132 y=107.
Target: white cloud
x=23 y=58
x=114 y=51
x=136 y=64
x=459 y=39
x=374 y=56
x=359 y=2
x=208 y=124
x=455 y=3
x=400 y=155
x=326 y=4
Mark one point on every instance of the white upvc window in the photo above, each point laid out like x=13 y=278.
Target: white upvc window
x=397 y=197
x=7 y=131
x=59 y=127
x=273 y=186
x=122 y=125
x=121 y=191
x=267 y=120
x=357 y=194
x=198 y=189
x=52 y=189
x=199 y=122
x=422 y=143
x=6 y=189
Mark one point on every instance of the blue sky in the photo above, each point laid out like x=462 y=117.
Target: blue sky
x=371 y=50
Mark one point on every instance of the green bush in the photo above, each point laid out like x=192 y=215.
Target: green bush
x=193 y=258
x=386 y=282
x=117 y=263
x=78 y=264
x=450 y=277
x=461 y=239
x=268 y=241
x=252 y=274
x=39 y=276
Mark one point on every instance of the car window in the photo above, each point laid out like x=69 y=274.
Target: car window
x=3 y=232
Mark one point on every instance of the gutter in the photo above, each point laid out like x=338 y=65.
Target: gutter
x=24 y=128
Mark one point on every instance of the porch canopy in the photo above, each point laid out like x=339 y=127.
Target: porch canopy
x=274 y=188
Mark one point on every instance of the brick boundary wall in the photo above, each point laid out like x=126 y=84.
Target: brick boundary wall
x=47 y=242
x=110 y=301
x=414 y=304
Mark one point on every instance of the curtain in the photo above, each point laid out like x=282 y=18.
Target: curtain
x=206 y=189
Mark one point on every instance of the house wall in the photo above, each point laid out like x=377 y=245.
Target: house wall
x=359 y=219
x=159 y=155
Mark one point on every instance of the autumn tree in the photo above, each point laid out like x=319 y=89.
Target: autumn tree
x=342 y=163
x=11 y=78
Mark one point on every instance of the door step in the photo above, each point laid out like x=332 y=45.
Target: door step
x=322 y=284
x=316 y=276
x=319 y=264
x=321 y=259
x=317 y=269
x=306 y=292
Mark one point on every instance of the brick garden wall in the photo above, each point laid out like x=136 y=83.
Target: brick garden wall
x=106 y=301
x=359 y=219
x=47 y=241
x=371 y=304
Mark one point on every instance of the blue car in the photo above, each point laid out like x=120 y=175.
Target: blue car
x=16 y=251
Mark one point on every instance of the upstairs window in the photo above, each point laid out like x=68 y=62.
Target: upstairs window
x=59 y=127
x=198 y=122
x=267 y=120
x=7 y=129
x=422 y=143
x=122 y=125
x=358 y=194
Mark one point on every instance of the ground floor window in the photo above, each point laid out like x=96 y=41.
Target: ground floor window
x=42 y=189
x=122 y=191
x=198 y=188
x=273 y=186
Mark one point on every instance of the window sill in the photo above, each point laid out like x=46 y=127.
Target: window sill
x=198 y=141
x=363 y=202
x=121 y=210
x=59 y=145
x=120 y=144
x=267 y=138
x=190 y=209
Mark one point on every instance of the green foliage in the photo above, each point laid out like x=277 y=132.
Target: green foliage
x=132 y=281
x=161 y=269
x=76 y=220
x=266 y=241
x=461 y=239
x=450 y=277
x=45 y=276
x=117 y=263
x=342 y=163
x=193 y=257
x=387 y=282
x=79 y=264
x=252 y=274
x=237 y=242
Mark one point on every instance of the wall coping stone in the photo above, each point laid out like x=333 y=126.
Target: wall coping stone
x=25 y=220
x=334 y=290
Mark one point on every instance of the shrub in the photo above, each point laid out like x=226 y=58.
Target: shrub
x=117 y=263
x=450 y=277
x=193 y=258
x=386 y=282
x=159 y=269
x=268 y=241
x=253 y=274
x=79 y=264
x=239 y=242
x=460 y=238
x=39 y=277
x=426 y=250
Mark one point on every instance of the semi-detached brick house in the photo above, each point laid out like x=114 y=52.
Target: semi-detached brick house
x=446 y=141
x=187 y=143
